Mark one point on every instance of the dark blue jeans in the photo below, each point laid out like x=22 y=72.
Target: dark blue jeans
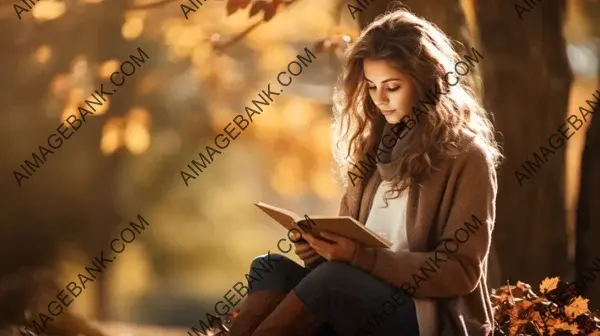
x=351 y=301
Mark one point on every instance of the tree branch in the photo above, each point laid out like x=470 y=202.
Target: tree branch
x=149 y=5
x=220 y=47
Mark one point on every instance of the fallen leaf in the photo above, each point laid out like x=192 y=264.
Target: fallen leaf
x=235 y=5
x=577 y=307
x=519 y=310
x=567 y=327
x=549 y=284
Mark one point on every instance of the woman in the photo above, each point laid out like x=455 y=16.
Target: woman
x=431 y=193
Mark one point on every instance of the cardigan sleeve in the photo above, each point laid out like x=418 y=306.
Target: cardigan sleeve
x=455 y=266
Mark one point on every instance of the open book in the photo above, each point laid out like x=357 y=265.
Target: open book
x=341 y=225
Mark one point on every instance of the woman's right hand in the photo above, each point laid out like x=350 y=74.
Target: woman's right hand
x=303 y=250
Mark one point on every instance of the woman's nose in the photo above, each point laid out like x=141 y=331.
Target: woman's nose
x=379 y=98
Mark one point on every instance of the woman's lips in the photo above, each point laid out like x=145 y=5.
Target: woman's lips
x=387 y=112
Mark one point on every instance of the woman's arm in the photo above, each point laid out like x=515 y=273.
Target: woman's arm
x=453 y=268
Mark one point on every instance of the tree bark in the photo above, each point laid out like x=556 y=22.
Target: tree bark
x=112 y=45
x=527 y=79
x=587 y=250
x=65 y=202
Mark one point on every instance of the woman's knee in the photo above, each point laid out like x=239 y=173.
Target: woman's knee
x=333 y=272
x=267 y=262
x=329 y=276
x=274 y=271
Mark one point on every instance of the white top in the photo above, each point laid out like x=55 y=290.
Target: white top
x=390 y=223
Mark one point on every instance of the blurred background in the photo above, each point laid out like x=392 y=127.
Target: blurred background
x=202 y=71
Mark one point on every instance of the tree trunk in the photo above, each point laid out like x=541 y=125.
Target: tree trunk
x=587 y=250
x=587 y=255
x=527 y=79
x=112 y=45
x=70 y=198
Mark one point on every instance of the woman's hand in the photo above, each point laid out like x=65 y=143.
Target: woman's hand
x=342 y=248
x=303 y=250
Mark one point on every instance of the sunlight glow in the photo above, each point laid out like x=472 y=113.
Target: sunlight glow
x=286 y=177
x=107 y=68
x=48 y=10
x=59 y=84
x=111 y=136
x=136 y=134
x=137 y=139
x=132 y=28
x=322 y=183
x=43 y=54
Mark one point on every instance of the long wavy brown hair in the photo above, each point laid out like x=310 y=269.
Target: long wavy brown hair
x=424 y=54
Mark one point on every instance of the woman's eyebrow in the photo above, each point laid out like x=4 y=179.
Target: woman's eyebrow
x=385 y=81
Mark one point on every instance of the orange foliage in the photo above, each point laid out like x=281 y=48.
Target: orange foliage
x=558 y=310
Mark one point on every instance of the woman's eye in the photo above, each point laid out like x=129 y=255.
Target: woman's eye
x=392 y=89
x=371 y=88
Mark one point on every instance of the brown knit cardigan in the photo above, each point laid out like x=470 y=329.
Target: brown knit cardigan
x=449 y=222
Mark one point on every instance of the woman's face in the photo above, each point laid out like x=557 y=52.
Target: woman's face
x=392 y=92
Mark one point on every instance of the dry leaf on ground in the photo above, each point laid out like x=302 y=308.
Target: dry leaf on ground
x=556 y=310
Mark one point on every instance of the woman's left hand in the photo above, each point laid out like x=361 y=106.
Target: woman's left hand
x=342 y=249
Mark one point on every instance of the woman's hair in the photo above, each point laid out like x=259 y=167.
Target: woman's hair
x=424 y=54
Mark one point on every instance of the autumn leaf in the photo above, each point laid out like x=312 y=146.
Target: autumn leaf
x=577 y=307
x=518 y=310
x=536 y=318
x=514 y=329
x=523 y=286
x=268 y=8
x=235 y=5
x=256 y=8
x=525 y=305
x=538 y=300
x=514 y=313
x=517 y=292
x=549 y=284
x=505 y=297
x=567 y=327
x=520 y=289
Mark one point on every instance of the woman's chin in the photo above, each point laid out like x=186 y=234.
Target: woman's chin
x=392 y=119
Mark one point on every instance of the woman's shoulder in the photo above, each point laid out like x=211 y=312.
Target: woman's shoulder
x=471 y=166
x=473 y=155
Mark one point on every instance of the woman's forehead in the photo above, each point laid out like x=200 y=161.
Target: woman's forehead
x=378 y=71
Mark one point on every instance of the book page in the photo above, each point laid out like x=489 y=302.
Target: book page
x=282 y=216
x=344 y=226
